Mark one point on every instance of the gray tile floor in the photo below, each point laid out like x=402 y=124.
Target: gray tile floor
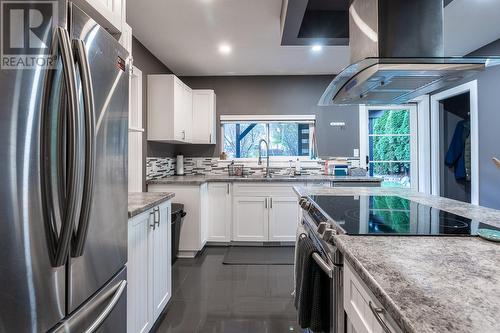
x=215 y=298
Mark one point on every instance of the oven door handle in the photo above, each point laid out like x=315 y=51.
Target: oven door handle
x=323 y=265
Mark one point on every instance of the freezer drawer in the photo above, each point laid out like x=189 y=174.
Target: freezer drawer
x=106 y=311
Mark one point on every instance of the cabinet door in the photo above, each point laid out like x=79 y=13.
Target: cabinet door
x=187 y=113
x=203 y=116
x=139 y=292
x=162 y=261
x=179 y=106
x=251 y=218
x=219 y=212
x=283 y=218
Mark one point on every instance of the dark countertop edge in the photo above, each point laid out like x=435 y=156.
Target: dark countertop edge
x=159 y=197
x=198 y=180
x=384 y=299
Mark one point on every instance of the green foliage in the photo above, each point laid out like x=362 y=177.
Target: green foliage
x=391 y=148
x=394 y=210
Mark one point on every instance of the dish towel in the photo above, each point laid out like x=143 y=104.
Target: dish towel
x=312 y=290
x=300 y=231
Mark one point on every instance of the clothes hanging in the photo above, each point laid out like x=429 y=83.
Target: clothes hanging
x=458 y=155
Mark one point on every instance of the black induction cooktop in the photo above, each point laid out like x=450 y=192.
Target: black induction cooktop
x=393 y=215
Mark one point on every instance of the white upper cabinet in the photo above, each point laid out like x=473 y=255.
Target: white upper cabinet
x=204 y=117
x=178 y=114
x=110 y=14
x=170 y=109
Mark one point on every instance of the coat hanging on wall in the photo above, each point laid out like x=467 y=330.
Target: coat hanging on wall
x=459 y=151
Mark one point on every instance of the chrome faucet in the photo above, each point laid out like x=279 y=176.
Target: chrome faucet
x=268 y=174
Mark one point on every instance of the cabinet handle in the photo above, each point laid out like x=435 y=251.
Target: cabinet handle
x=154 y=221
x=227 y=188
x=210 y=138
x=157 y=216
x=376 y=312
x=265 y=203
x=271 y=203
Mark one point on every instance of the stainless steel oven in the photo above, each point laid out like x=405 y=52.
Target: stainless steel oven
x=330 y=259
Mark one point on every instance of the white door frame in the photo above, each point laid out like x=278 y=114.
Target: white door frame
x=135 y=130
x=471 y=88
x=363 y=133
x=424 y=143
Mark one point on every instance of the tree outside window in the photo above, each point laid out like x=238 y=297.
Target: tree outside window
x=241 y=140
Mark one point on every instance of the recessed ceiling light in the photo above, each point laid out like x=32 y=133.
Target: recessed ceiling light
x=225 y=48
x=317 y=48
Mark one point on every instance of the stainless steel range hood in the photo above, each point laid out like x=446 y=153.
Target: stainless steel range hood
x=397 y=54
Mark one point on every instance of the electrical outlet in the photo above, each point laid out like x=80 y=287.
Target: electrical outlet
x=356 y=152
x=199 y=163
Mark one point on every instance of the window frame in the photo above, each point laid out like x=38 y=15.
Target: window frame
x=364 y=112
x=267 y=119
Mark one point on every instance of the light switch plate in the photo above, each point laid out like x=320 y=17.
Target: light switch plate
x=199 y=163
x=356 y=152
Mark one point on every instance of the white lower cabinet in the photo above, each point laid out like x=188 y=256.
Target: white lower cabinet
x=265 y=212
x=194 y=228
x=219 y=212
x=162 y=260
x=283 y=217
x=149 y=269
x=361 y=307
x=251 y=219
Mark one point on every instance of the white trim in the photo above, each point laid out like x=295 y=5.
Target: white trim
x=424 y=143
x=135 y=132
x=471 y=88
x=267 y=118
x=363 y=135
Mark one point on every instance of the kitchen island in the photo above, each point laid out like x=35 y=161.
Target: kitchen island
x=426 y=283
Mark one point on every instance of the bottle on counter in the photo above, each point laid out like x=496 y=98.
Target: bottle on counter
x=297 y=167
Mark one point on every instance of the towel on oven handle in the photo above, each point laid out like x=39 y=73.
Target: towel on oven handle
x=312 y=289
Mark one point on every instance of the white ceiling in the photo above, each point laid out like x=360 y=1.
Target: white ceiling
x=185 y=35
x=470 y=24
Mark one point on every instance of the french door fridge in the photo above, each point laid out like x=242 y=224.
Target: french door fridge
x=63 y=188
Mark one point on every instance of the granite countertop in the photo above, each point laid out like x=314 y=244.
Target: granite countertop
x=142 y=201
x=200 y=179
x=428 y=284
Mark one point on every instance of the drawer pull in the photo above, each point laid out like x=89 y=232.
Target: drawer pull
x=376 y=312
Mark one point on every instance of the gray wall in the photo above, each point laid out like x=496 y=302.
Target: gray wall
x=489 y=125
x=148 y=64
x=274 y=95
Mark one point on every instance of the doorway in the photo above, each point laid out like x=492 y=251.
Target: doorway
x=454 y=143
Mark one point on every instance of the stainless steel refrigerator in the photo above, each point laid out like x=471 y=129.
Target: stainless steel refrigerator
x=63 y=189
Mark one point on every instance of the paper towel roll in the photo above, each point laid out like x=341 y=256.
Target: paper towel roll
x=179 y=166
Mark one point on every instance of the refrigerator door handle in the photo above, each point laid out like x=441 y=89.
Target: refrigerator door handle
x=107 y=310
x=59 y=244
x=80 y=235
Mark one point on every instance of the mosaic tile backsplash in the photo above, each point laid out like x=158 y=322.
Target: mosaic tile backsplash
x=158 y=167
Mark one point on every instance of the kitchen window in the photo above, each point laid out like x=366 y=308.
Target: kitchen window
x=288 y=136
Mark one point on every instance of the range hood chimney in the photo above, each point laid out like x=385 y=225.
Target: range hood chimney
x=397 y=54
